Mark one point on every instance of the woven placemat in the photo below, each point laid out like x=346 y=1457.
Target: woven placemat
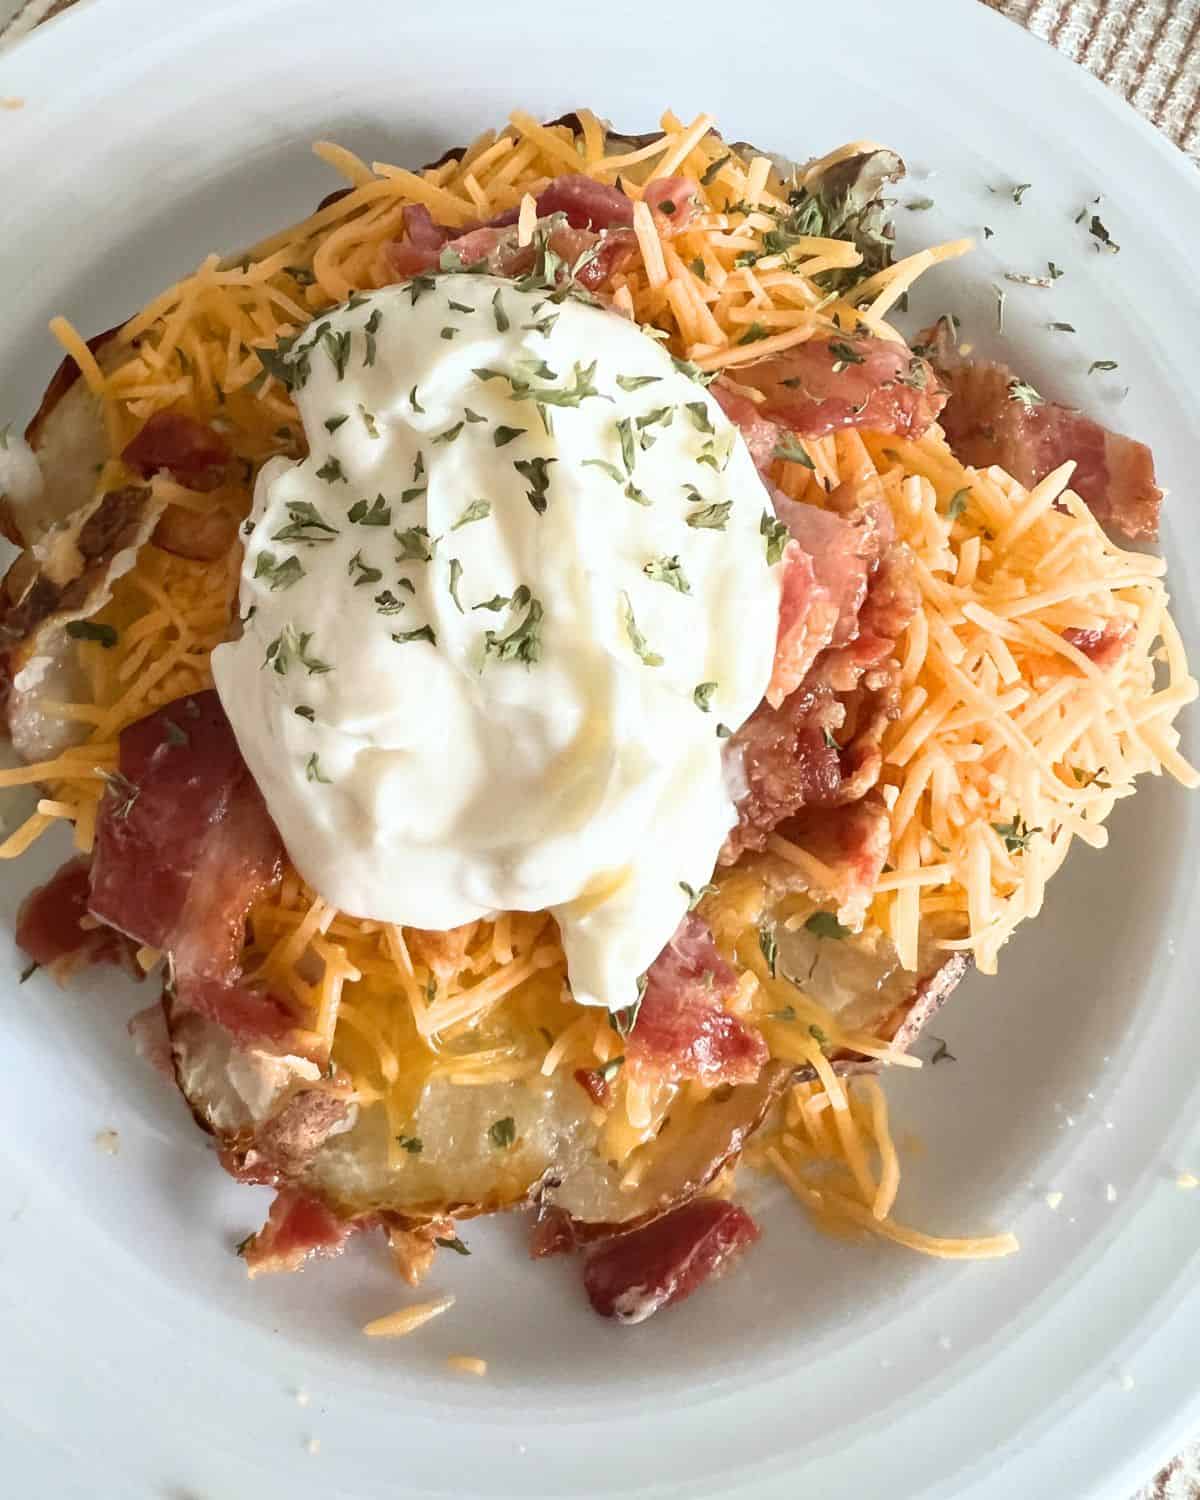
x=1149 y=51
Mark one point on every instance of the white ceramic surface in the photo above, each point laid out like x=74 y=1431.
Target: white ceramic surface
x=137 y=1359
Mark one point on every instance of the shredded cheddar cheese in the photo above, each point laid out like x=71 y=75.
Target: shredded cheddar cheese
x=1010 y=744
x=407 y=1320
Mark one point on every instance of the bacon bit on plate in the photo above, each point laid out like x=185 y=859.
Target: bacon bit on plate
x=634 y=1275
x=297 y=1227
x=553 y=1233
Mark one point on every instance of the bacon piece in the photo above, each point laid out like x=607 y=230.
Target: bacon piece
x=188 y=450
x=494 y=245
x=825 y=384
x=808 y=617
x=248 y=1014
x=184 y=842
x=553 y=1233
x=682 y=1028
x=203 y=537
x=673 y=201
x=586 y=203
x=421 y=248
x=49 y=931
x=297 y=1226
x=820 y=747
x=594 y=1085
x=826 y=570
x=759 y=434
x=984 y=425
x=1104 y=647
x=853 y=842
x=631 y=1277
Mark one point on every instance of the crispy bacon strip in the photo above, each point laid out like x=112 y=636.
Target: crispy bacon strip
x=635 y=1275
x=188 y=450
x=248 y=1014
x=495 y=247
x=1104 y=647
x=586 y=203
x=297 y=1226
x=825 y=384
x=682 y=1029
x=853 y=841
x=984 y=425
x=827 y=565
x=673 y=201
x=760 y=435
x=184 y=842
x=48 y=924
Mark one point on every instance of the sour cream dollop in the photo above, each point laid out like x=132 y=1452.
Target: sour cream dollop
x=501 y=620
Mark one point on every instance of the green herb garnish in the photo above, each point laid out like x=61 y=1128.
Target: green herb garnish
x=279 y=575
x=524 y=643
x=370 y=513
x=331 y=471
x=1025 y=394
x=776 y=536
x=636 y=639
x=711 y=517
x=415 y=545
x=424 y=633
x=536 y=471
x=824 y=924
x=307 y=525
x=478 y=510
x=792 y=453
x=502 y=1133
x=88 y=630
x=668 y=570
x=361 y=573
x=1016 y=835
x=769 y=947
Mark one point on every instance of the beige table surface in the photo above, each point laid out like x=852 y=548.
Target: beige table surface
x=1149 y=51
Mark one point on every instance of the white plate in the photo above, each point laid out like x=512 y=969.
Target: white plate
x=138 y=1359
